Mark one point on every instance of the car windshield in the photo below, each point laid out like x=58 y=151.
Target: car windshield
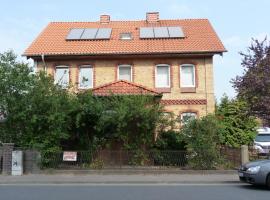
x=263 y=138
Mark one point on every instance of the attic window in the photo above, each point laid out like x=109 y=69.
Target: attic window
x=125 y=36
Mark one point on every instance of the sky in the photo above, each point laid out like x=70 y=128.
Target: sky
x=235 y=21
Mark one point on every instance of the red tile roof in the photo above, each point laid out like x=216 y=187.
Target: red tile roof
x=200 y=37
x=123 y=87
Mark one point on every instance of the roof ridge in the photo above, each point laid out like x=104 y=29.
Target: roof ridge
x=106 y=84
x=51 y=41
x=141 y=86
x=133 y=20
x=128 y=82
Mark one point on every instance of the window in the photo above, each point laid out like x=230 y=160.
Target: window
x=86 y=77
x=162 y=76
x=187 y=76
x=124 y=72
x=62 y=76
x=187 y=116
x=125 y=36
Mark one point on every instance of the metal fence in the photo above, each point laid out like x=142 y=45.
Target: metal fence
x=128 y=159
x=115 y=159
x=34 y=160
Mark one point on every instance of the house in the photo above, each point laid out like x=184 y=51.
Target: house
x=172 y=58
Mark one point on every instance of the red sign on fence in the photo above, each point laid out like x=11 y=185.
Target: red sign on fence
x=70 y=156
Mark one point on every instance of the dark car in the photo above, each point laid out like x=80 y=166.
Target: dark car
x=256 y=172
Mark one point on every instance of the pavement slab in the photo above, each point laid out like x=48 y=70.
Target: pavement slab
x=119 y=178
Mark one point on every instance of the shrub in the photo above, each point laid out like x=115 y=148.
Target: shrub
x=170 y=140
x=238 y=127
x=203 y=139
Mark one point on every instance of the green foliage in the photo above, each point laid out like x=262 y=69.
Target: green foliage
x=84 y=131
x=15 y=80
x=170 y=140
x=131 y=119
x=253 y=85
x=37 y=110
x=203 y=139
x=97 y=164
x=44 y=116
x=238 y=127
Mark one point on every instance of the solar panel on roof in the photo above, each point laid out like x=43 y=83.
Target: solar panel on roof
x=75 y=34
x=176 y=32
x=89 y=33
x=161 y=32
x=146 y=32
x=104 y=33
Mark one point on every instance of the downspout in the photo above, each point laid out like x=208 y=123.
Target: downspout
x=44 y=63
x=205 y=87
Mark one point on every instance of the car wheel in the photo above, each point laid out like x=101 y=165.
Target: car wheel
x=268 y=181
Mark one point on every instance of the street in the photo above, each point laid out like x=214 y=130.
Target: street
x=132 y=192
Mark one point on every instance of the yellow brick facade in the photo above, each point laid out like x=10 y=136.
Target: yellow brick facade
x=143 y=70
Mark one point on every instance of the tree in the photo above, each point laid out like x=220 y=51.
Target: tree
x=38 y=111
x=238 y=127
x=254 y=85
x=15 y=81
x=45 y=116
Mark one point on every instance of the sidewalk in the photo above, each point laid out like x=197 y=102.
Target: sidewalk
x=209 y=178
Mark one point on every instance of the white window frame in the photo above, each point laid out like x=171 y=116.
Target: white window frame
x=125 y=38
x=59 y=67
x=125 y=66
x=169 y=69
x=194 y=73
x=92 y=84
x=187 y=113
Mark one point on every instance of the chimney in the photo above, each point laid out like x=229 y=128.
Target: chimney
x=104 y=19
x=152 y=17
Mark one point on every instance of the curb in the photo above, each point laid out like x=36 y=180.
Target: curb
x=138 y=171
x=123 y=183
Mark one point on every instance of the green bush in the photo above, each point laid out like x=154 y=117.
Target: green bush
x=169 y=149
x=239 y=128
x=203 y=138
x=170 y=140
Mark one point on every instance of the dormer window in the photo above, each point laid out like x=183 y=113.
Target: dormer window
x=125 y=36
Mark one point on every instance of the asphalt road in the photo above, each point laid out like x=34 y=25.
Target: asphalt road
x=133 y=192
